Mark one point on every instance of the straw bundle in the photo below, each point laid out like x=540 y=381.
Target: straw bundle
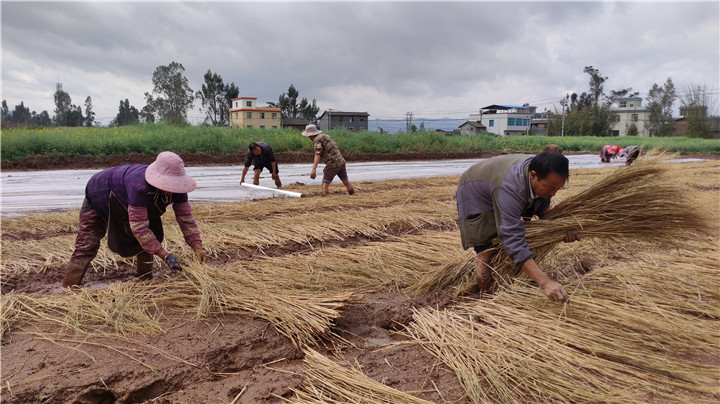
x=396 y=261
x=642 y=201
x=9 y=313
x=327 y=382
x=127 y=308
x=212 y=290
x=631 y=333
x=457 y=270
x=120 y=309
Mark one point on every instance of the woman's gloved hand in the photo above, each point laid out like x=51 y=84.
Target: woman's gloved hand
x=173 y=262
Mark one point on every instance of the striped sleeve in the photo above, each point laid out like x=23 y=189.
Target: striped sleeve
x=140 y=226
x=189 y=228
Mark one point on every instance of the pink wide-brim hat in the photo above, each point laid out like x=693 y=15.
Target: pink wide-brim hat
x=167 y=173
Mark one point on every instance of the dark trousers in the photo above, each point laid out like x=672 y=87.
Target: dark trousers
x=91 y=230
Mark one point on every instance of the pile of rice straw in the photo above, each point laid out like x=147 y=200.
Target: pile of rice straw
x=644 y=330
x=132 y=308
x=327 y=382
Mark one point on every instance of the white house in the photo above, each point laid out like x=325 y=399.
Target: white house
x=505 y=120
x=628 y=111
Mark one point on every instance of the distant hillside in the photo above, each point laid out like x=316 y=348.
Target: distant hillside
x=397 y=125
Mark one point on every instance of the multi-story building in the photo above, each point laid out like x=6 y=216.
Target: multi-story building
x=629 y=112
x=244 y=113
x=505 y=120
x=352 y=121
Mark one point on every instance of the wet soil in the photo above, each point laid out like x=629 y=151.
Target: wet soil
x=217 y=359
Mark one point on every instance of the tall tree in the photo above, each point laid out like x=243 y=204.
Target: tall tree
x=89 y=114
x=597 y=82
x=75 y=116
x=62 y=106
x=231 y=92
x=172 y=96
x=127 y=114
x=587 y=114
x=289 y=107
x=660 y=101
x=21 y=115
x=215 y=97
x=41 y=119
x=5 y=114
x=696 y=107
x=308 y=111
x=147 y=113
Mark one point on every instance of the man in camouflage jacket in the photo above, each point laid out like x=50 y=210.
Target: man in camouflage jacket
x=327 y=151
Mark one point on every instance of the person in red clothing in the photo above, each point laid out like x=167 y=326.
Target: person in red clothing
x=610 y=151
x=127 y=202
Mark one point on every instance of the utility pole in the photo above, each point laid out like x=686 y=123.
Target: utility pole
x=408 y=121
x=562 y=126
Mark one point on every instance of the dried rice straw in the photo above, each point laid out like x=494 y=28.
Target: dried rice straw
x=629 y=333
x=327 y=382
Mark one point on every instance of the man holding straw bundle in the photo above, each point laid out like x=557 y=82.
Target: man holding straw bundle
x=127 y=202
x=495 y=196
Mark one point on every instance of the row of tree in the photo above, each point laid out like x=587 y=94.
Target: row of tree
x=587 y=114
x=169 y=101
x=591 y=114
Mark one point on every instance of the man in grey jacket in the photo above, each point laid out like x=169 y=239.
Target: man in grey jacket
x=495 y=196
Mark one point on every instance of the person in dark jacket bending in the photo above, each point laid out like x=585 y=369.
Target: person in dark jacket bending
x=494 y=196
x=261 y=155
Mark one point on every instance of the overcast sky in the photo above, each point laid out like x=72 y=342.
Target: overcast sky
x=435 y=59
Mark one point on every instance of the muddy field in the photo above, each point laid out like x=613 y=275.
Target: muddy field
x=333 y=274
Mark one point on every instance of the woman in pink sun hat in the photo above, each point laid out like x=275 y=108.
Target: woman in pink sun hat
x=127 y=202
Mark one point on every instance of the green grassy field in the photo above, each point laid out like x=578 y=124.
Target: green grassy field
x=18 y=144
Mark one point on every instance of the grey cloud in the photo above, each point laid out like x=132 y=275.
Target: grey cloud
x=468 y=54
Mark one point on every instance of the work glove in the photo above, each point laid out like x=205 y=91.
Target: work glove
x=173 y=262
x=201 y=255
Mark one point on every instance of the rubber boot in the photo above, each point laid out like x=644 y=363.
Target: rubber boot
x=75 y=272
x=144 y=265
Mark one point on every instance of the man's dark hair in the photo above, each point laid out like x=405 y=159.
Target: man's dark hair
x=550 y=162
x=252 y=146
